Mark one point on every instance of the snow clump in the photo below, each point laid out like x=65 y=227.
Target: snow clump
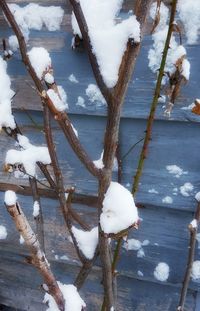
x=119 y=210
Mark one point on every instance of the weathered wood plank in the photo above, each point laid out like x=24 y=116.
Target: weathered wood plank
x=182 y=152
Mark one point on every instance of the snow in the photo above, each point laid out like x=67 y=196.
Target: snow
x=194 y=223
x=119 y=210
x=64 y=257
x=28 y=155
x=99 y=163
x=195 y=274
x=175 y=170
x=161 y=272
x=140 y=253
x=94 y=95
x=167 y=200
x=10 y=198
x=80 y=101
x=186 y=189
x=3 y=233
x=58 y=100
x=13 y=43
x=189 y=107
x=49 y=78
x=108 y=38
x=34 y=16
x=72 y=78
x=87 y=241
x=73 y=301
x=75 y=130
x=153 y=191
x=197 y=196
x=175 y=52
x=40 y=60
x=6 y=94
x=36 y=209
x=189 y=14
x=21 y=239
x=133 y=244
x=140 y=273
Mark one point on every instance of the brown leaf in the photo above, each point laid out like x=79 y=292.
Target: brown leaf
x=196 y=108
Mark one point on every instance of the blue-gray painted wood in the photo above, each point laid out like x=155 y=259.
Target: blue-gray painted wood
x=174 y=141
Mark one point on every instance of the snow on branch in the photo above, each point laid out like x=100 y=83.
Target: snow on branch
x=87 y=241
x=6 y=95
x=73 y=301
x=119 y=211
x=28 y=156
x=108 y=38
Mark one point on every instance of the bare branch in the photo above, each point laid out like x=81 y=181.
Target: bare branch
x=193 y=234
x=154 y=104
x=38 y=258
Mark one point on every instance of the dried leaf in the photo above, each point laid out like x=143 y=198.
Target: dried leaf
x=196 y=108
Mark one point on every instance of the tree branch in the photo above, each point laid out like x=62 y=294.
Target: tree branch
x=37 y=255
x=193 y=234
x=154 y=104
x=39 y=218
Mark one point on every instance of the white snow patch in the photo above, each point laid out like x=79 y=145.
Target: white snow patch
x=72 y=78
x=133 y=244
x=140 y=253
x=64 y=257
x=40 y=60
x=6 y=94
x=34 y=16
x=108 y=38
x=28 y=155
x=21 y=240
x=194 y=223
x=167 y=200
x=197 y=196
x=140 y=273
x=161 y=272
x=10 y=198
x=175 y=170
x=94 y=94
x=36 y=209
x=58 y=100
x=49 y=78
x=189 y=107
x=189 y=13
x=13 y=43
x=3 y=232
x=87 y=241
x=153 y=191
x=195 y=274
x=186 y=189
x=175 y=52
x=73 y=301
x=80 y=102
x=119 y=210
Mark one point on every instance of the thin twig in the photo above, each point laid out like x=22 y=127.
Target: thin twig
x=193 y=234
x=151 y=117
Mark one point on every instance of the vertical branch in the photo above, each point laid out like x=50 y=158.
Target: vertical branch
x=38 y=218
x=193 y=228
x=38 y=258
x=154 y=104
